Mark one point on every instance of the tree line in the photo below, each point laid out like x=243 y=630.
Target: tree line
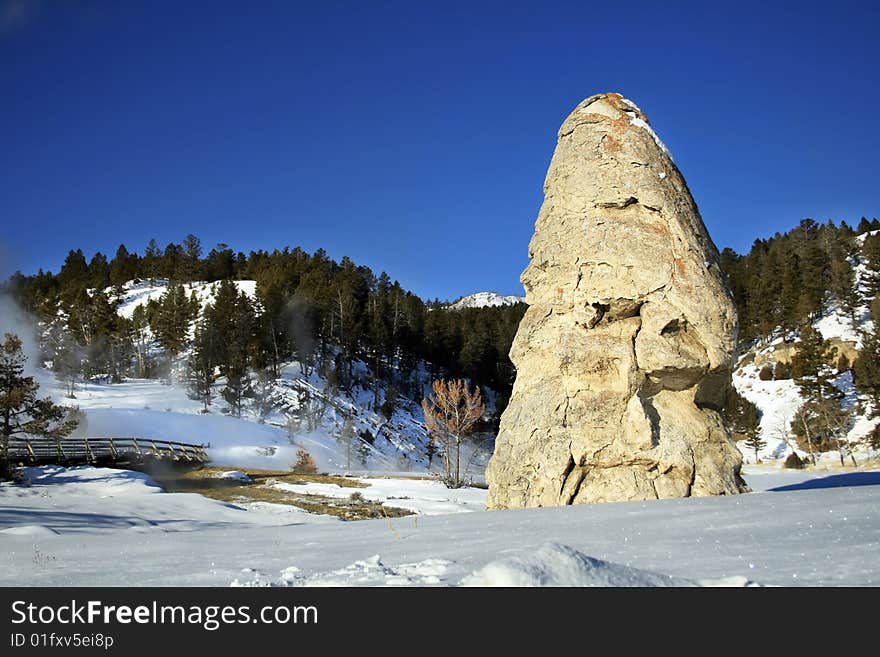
x=329 y=315
x=781 y=287
x=325 y=314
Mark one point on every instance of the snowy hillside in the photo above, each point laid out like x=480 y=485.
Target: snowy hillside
x=139 y=293
x=778 y=401
x=486 y=300
x=344 y=430
x=150 y=408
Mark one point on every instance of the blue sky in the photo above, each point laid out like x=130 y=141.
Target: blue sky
x=413 y=136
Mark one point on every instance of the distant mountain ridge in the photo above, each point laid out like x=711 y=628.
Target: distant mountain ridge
x=487 y=300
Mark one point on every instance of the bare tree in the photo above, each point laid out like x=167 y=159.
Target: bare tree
x=451 y=413
x=314 y=406
x=304 y=463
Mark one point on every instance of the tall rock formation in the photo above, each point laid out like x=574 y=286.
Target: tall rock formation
x=624 y=355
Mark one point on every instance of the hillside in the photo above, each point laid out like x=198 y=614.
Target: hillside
x=366 y=425
x=487 y=300
x=847 y=288
x=306 y=336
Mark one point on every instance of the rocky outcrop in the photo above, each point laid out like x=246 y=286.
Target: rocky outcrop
x=783 y=353
x=624 y=354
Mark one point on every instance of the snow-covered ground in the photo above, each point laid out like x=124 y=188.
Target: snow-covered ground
x=90 y=526
x=423 y=496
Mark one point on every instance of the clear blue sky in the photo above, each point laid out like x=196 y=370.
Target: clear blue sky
x=413 y=136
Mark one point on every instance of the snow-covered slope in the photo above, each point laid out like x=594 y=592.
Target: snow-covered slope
x=139 y=293
x=808 y=529
x=153 y=409
x=778 y=401
x=486 y=300
x=342 y=429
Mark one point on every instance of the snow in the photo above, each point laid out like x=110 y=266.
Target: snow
x=837 y=325
x=421 y=496
x=365 y=572
x=486 y=299
x=89 y=501
x=561 y=565
x=807 y=529
x=139 y=293
x=641 y=123
x=777 y=401
x=628 y=102
x=149 y=408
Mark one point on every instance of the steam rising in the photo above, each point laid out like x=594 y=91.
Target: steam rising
x=14 y=320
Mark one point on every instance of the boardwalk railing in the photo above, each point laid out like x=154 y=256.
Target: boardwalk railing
x=105 y=450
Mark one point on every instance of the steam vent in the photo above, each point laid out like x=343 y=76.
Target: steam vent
x=625 y=353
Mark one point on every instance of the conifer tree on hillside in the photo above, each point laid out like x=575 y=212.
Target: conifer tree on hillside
x=172 y=317
x=150 y=264
x=123 y=267
x=234 y=319
x=139 y=338
x=871 y=254
x=866 y=369
x=741 y=415
x=845 y=289
x=170 y=263
x=202 y=363
x=811 y=366
x=190 y=264
x=754 y=442
x=22 y=413
x=74 y=272
x=821 y=421
x=99 y=272
x=67 y=358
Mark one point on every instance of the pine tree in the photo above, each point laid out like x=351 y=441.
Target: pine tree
x=754 y=442
x=74 y=272
x=170 y=263
x=139 y=338
x=741 y=415
x=202 y=363
x=67 y=360
x=810 y=366
x=234 y=319
x=871 y=254
x=172 y=318
x=151 y=262
x=190 y=265
x=263 y=393
x=123 y=267
x=866 y=369
x=821 y=420
x=21 y=411
x=99 y=272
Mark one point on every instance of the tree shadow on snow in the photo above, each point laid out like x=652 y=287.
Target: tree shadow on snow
x=66 y=522
x=834 y=481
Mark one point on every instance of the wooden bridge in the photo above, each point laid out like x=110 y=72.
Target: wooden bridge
x=78 y=451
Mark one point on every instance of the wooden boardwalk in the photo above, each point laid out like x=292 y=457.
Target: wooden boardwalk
x=80 y=451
